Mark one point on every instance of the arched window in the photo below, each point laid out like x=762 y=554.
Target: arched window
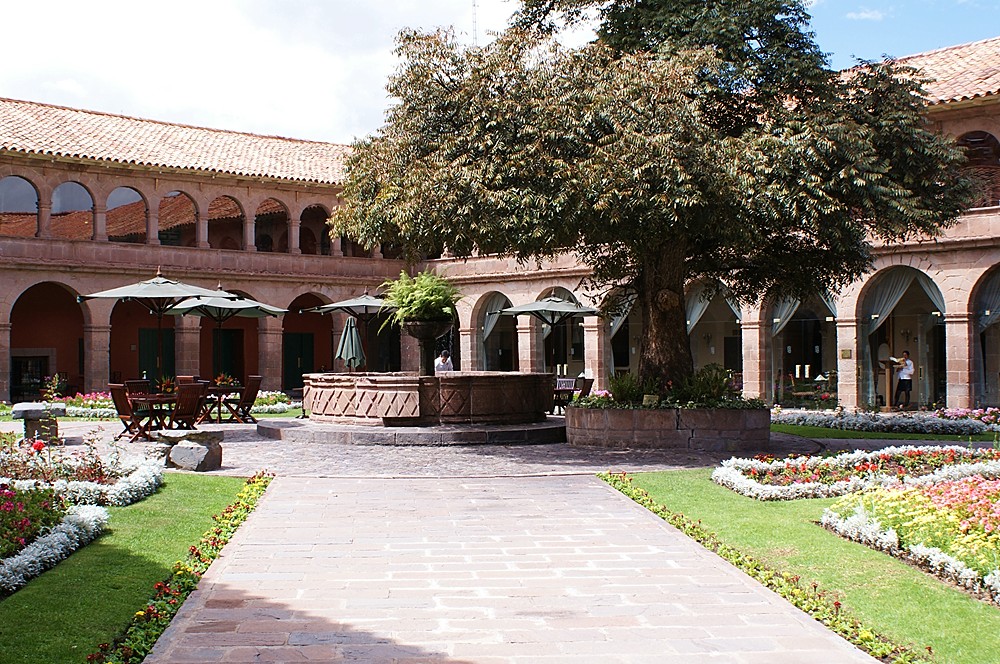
x=72 y=212
x=18 y=207
x=126 y=216
x=983 y=151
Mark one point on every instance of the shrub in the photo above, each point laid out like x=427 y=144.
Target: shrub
x=24 y=515
x=424 y=297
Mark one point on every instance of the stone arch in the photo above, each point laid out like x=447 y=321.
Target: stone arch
x=624 y=331
x=271 y=226
x=307 y=340
x=46 y=338
x=902 y=308
x=314 y=236
x=495 y=334
x=225 y=223
x=714 y=327
x=127 y=215
x=72 y=215
x=802 y=351
x=983 y=151
x=19 y=199
x=178 y=220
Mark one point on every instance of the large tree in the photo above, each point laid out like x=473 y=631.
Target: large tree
x=656 y=160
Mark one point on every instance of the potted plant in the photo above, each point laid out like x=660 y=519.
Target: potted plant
x=424 y=306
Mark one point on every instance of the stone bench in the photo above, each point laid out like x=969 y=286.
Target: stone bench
x=39 y=419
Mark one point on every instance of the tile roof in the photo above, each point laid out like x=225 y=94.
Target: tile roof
x=34 y=128
x=962 y=72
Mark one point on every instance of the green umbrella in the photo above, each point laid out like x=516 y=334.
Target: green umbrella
x=550 y=310
x=351 y=350
x=220 y=307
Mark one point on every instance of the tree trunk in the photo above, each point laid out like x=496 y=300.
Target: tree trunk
x=665 y=355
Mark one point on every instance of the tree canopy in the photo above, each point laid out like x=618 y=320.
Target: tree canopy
x=662 y=153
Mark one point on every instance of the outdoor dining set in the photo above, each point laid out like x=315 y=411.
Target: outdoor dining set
x=192 y=402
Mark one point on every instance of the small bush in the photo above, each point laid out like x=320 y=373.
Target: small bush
x=24 y=515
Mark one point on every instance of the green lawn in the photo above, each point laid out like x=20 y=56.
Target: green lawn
x=91 y=596
x=888 y=595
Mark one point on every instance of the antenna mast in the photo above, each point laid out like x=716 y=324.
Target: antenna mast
x=475 y=33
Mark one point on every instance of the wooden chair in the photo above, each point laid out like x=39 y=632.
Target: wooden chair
x=583 y=386
x=240 y=410
x=563 y=394
x=188 y=407
x=139 y=387
x=124 y=408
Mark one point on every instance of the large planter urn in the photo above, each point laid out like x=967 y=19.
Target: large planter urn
x=427 y=332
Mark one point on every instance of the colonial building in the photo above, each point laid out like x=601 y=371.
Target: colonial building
x=90 y=201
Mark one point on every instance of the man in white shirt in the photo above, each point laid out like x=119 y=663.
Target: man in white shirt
x=904 y=379
x=443 y=362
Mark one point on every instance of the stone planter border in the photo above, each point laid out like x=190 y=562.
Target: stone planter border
x=714 y=429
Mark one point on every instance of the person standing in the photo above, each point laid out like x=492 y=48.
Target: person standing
x=904 y=380
x=443 y=362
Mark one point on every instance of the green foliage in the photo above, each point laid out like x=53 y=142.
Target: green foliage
x=53 y=387
x=627 y=388
x=24 y=515
x=710 y=383
x=426 y=296
x=730 y=155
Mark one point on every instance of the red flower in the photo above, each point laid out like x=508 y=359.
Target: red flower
x=38 y=446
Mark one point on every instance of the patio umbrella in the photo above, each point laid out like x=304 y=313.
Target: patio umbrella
x=363 y=307
x=351 y=350
x=157 y=295
x=550 y=310
x=220 y=307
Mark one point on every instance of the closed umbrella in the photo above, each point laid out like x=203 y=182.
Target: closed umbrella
x=363 y=307
x=350 y=349
x=220 y=307
x=157 y=295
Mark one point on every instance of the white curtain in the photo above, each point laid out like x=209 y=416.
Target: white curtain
x=933 y=292
x=494 y=304
x=782 y=313
x=626 y=308
x=989 y=301
x=828 y=302
x=735 y=307
x=884 y=297
x=697 y=305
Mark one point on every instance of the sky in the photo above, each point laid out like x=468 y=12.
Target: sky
x=317 y=69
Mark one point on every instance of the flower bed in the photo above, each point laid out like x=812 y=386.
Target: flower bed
x=951 y=528
x=909 y=423
x=138 y=480
x=80 y=525
x=764 y=478
x=988 y=416
x=24 y=515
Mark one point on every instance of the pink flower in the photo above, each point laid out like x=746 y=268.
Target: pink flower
x=38 y=446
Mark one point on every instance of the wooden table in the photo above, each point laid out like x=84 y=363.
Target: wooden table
x=215 y=398
x=158 y=409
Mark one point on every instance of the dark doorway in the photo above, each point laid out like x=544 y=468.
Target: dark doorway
x=297 y=353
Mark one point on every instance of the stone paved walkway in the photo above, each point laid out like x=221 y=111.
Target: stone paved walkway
x=471 y=554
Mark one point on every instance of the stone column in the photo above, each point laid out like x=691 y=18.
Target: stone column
x=755 y=357
x=336 y=246
x=250 y=233
x=44 y=219
x=377 y=252
x=294 y=228
x=5 y=362
x=848 y=363
x=470 y=350
x=596 y=351
x=201 y=229
x=187 y=346
x=100 y=223
x=529 y=346
x=269 y=362
x=153 y=225
x=959 y=335
x=96 y=358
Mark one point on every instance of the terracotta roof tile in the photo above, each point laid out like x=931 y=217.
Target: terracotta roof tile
x=960 y=72
x=35 y=128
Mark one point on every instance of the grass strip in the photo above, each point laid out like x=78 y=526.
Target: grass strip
x=887 y=595
x=92 y=595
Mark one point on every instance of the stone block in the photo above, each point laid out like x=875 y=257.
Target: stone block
x=199 y=451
